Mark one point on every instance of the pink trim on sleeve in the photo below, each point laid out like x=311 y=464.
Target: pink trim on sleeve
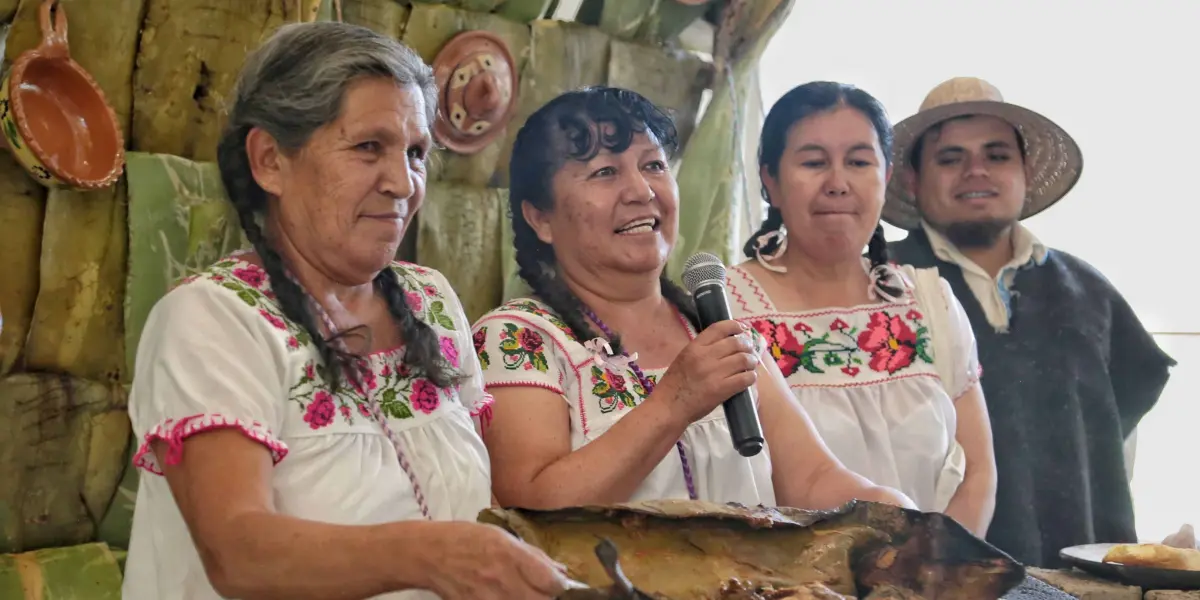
x=174 y=431
x=482 y=412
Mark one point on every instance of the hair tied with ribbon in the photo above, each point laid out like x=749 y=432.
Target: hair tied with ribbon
x=886 y=276
x=602 y=354
x=779 y=236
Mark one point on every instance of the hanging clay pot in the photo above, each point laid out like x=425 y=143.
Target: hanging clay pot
x=55 y=119
x=477 y=80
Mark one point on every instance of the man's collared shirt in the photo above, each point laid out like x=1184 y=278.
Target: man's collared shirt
x=994 y=294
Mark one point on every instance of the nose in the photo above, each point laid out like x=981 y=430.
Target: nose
x=976 y=166
x=400 y=179
x=637 y=187
x=836 y=183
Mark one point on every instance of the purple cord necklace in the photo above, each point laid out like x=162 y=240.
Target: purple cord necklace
x=648 y=385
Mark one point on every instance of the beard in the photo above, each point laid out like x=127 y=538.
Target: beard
x=974 y=234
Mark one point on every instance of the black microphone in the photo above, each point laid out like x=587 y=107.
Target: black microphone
x=704 y=277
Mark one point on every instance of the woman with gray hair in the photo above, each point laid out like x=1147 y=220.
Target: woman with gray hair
x=307 y=407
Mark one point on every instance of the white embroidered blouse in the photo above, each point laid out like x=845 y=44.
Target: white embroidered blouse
x=523 y=343
x=217 y=352
x=867 y=378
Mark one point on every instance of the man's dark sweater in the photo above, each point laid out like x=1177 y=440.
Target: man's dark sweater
x=1073 y=376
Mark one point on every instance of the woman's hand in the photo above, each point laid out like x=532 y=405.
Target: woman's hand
x=719 y=363
x=469 y=561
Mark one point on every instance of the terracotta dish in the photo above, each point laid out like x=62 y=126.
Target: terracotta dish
x=56 y=120
x=477 y=80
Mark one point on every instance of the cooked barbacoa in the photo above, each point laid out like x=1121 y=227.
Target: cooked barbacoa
x=683 y=550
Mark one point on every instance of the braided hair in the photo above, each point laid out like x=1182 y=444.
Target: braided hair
x=576 y=126
x=290 y=87
x=796 y=105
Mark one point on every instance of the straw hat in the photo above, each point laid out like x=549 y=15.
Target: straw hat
x=1053 y=157
x=477 y=80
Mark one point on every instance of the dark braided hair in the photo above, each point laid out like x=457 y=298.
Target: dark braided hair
x=576 y=126
x=801 y=102
x=290 y=87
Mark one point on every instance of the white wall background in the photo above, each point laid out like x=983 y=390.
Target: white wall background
x=1120 y=76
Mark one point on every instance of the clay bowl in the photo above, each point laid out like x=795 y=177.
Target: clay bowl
x=55 y=120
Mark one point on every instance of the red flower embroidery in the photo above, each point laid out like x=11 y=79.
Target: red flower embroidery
x=531 y=341
x=913 y=315
x=320 y=411
x=430 y=291
x=890 y=341
x=310 y=372
x=414 y=300
x=386 y=371
x=424 y=396
x=364 y=411
x=251 y=275
x=293 y=343
x=272 y=319
x=449 y=351
x=784 y=347
x=345 y=410
x=838 y=325
x=802 y=327
x=850 y=370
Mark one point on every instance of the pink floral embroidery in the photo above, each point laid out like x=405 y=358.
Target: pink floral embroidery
x=272 y=319
x=345 y=410
x=449 y=351
x=414 y=300
x=293 y=343
x=838 y=325
x=252 y=276
x=320 y=411
x=431 y=291
x=850 y=370
x=364 y=411
x=914 y=315
x=424 y=396
x=891 y=342
x=802 y=327
x=386 y=371
x=310 y=371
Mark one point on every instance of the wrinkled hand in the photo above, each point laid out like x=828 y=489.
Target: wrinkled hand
x=1184 y=538
x=482 y=562
x=719 y=363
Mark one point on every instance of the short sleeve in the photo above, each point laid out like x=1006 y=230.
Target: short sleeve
x=471 y=391
x=206 y=361
x=516 y=349
x=966 y=369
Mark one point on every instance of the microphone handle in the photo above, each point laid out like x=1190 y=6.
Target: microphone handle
x=740 y=412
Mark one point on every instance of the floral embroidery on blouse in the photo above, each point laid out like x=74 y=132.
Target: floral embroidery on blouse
x=535 y=308
x=479 y=339
x=889 y=343
x=523 y=347
x=399 y=393
x=615 y=392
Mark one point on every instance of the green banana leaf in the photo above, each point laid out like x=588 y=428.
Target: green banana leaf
x=86 y=572
x=711 y=171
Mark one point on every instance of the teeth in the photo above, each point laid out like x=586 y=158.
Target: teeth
x=639 y=226
x=970 y=195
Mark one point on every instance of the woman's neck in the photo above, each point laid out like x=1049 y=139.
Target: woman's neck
x=819 y=284
x=617 y=298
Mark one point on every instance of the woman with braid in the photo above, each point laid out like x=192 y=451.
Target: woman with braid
x=604 y=391
x=883 y=359
x=306 y=407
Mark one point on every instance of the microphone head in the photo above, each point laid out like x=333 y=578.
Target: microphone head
x=702 y=268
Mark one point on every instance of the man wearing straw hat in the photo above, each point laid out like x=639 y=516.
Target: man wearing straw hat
x=1068 y=368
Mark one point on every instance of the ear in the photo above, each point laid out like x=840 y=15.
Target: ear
x=538 y=220
x=770 y=183
x=266 y=162
x=887 y=175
